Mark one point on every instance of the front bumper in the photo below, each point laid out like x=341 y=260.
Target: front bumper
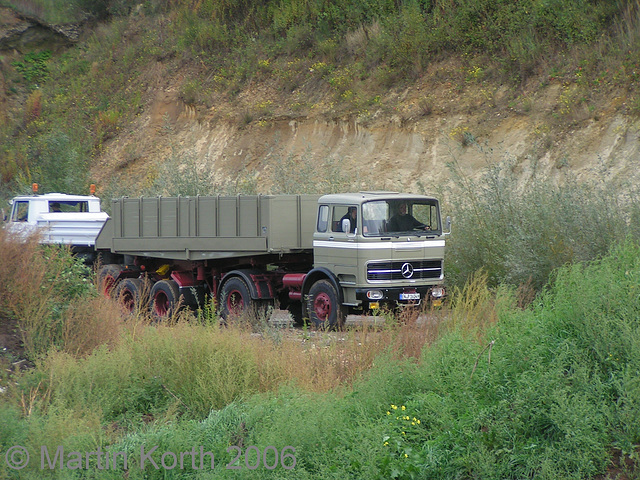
x=400 y=296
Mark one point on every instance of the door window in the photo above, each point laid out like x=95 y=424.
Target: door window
x=20 y=212
x=323 y=218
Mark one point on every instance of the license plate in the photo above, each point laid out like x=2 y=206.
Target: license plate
x=409 y=296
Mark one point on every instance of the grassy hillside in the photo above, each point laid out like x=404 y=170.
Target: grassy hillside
x=500 y=384
x=338 y=57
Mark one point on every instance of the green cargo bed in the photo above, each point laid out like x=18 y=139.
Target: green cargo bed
x=197 y=228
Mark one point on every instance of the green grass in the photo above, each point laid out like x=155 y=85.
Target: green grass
x=546 y=392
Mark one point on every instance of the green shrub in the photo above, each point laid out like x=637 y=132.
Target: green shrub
x=519 y=232
x=40 y=285
x=57 y=164
x=33 y=67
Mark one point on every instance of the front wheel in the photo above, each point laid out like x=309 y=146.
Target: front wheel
x=325 y=310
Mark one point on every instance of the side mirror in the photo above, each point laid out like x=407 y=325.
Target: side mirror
x=3 y=215
x=447 y=224
x=346 y=225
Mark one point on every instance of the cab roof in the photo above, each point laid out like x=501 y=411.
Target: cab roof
x=56 y=197
x=367 y=196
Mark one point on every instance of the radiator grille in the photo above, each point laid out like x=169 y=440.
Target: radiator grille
x=393 y=270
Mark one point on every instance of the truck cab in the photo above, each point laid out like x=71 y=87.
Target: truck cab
x=383 y=248
x=58 y=218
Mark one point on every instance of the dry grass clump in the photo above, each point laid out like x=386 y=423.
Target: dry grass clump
x=90 y=323
x=152 y=371
x=51 y=296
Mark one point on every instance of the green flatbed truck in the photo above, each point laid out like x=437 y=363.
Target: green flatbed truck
x=320 y=257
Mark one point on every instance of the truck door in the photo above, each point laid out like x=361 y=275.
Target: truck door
x=19 y=220
x=333 y=248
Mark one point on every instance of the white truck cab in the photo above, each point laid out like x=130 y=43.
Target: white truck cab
x=58 y=218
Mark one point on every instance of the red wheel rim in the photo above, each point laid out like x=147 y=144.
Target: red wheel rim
x=161 y=303
x=235 y=303
x=107 y=285
x=128 y=300
x=322 y=306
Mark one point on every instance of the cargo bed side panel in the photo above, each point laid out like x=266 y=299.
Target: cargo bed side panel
x=194 y=228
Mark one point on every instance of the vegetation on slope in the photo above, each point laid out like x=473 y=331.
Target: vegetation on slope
x=334 y=57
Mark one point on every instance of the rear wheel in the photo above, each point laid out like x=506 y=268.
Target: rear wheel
x=236 y=301
x=130 y=292
x=165 y=298
x=107 y=278
x=325 y=310
x=234 y=298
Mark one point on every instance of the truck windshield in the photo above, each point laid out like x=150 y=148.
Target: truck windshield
x=68 y=206
x=401 y=217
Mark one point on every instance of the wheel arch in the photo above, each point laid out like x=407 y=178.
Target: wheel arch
x=257 y=291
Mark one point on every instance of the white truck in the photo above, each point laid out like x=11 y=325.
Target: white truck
x=58 y=218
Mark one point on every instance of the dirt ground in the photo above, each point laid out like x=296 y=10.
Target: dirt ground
x=12 y=354
x=10 y=342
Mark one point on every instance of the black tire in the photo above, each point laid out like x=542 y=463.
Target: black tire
x=295 y=310
x=108 y=279
x=324 y=308
x=236 y=301
x=234 y=298
x=165 y=298
x=131 y=294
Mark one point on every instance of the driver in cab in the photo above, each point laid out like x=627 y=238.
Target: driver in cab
x=403 y=221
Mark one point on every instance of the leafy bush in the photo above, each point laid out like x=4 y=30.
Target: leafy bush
x=33 y=67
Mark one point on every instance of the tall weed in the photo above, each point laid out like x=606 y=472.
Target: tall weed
x=51 y=295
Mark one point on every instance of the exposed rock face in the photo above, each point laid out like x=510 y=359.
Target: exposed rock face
x=385 y=152
x=18 y=32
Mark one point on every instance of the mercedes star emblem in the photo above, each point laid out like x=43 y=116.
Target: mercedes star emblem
x=407 y=270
